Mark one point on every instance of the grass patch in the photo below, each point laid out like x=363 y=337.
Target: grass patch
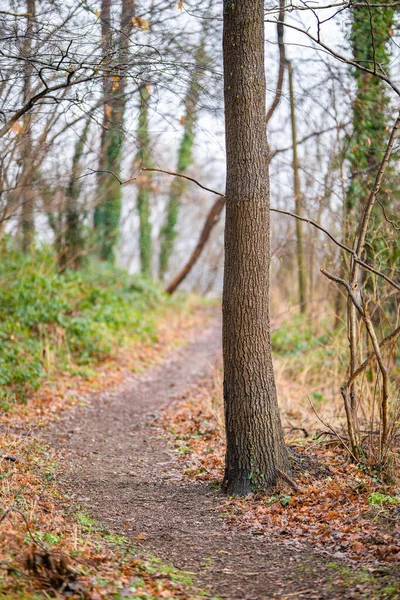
x=364 y=581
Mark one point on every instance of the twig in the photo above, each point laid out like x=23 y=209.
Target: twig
x=303 y=429
x=348 y=288
x=335 y=433
x=272 y=209
x=175 y=175
x=392 y=337
x=339 y=56
x=288 y=480
x=282 y=60
x=34 y=540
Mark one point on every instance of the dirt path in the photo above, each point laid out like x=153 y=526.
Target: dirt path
x=116 y=466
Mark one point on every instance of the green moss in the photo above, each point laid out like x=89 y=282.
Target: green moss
x=107 y=212
x=371 y=30
x=185 y=159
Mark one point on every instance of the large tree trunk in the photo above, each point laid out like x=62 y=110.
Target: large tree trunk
x=255 y=448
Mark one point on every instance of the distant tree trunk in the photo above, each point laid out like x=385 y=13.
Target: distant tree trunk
x=369 y=41
x=297 y=197
x=106 y=187
x=108 y=210
x=70 y=254
x=143 y=158
x=27 y=195
x=255 y=448
x=185 y=159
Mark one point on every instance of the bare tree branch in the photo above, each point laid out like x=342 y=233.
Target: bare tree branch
x=282 y=60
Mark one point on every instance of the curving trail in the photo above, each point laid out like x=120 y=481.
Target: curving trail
x=115 y=465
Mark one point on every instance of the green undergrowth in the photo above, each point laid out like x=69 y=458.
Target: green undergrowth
x=51 y=321
x=300 y=334
x=310 y=346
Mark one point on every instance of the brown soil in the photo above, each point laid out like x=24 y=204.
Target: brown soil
x=116 y=466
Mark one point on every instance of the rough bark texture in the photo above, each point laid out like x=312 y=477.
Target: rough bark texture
x=255 y=447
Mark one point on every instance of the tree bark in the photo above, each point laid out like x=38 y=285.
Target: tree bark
x=255 y=447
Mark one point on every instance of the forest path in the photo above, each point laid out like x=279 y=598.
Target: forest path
x=116 y=466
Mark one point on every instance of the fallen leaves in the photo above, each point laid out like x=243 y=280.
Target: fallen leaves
x=331 y=511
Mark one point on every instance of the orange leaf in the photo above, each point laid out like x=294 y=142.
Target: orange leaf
x=17 y=127
x=140 y=23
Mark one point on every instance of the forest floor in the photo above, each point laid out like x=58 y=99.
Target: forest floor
x=142 y=456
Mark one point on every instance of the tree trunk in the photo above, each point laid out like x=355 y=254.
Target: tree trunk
x=73 y=241
x=108 y=210
x=185 y=158
x=255 y=448
x=143 y=159
x=27 y=196
x=298 y=200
